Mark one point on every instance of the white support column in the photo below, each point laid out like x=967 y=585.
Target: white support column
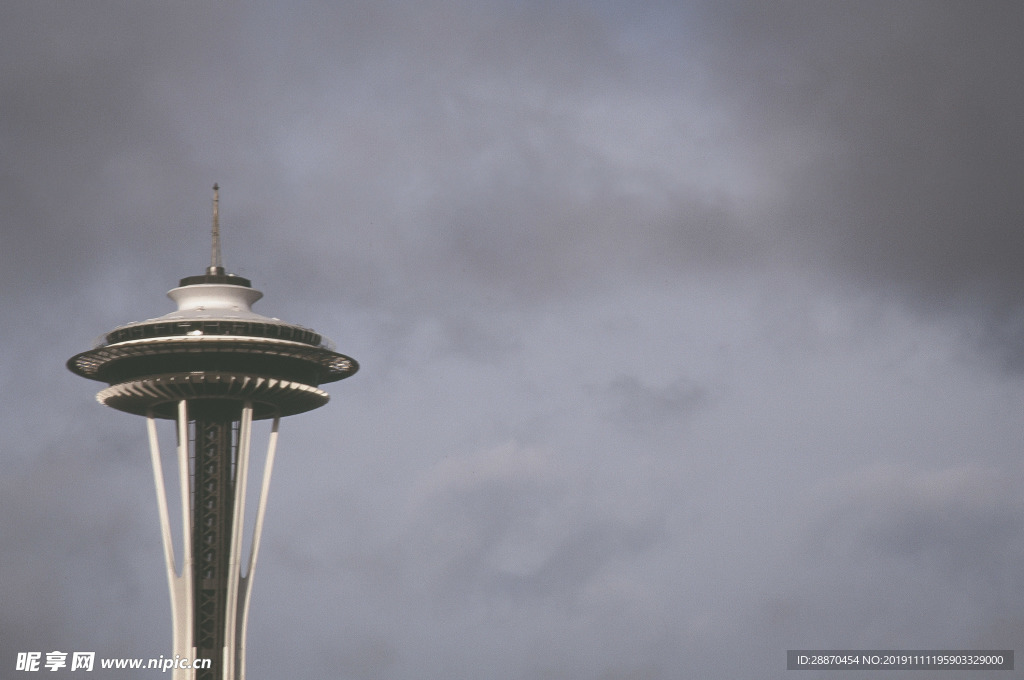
x=257 y=533
x=180 y=585
x=234 y=562
x=187 y=572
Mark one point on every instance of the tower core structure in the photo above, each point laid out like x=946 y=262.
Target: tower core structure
x=213 y=366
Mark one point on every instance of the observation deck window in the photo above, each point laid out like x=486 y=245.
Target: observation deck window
x=250 y=329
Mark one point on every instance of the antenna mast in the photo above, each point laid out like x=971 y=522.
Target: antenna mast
x=216 y=266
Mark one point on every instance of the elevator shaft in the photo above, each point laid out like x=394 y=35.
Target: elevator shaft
x=214 y=465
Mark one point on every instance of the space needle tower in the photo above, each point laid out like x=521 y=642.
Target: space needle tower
x=213 y=366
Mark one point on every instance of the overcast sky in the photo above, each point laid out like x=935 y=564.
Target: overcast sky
x=689 y=332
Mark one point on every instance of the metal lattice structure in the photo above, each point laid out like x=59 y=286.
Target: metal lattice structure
x=213 y=367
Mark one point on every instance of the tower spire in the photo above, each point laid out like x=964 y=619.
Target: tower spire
x=216 y=267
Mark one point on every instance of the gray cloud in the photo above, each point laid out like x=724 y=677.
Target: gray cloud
x=958 y=524
x=676 y=324
x=911 y=111
x=641 y=405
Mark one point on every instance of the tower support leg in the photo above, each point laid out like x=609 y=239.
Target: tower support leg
x=210 y=594
x=180 y=583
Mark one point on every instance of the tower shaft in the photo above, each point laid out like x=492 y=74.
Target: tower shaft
x=214 y=459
